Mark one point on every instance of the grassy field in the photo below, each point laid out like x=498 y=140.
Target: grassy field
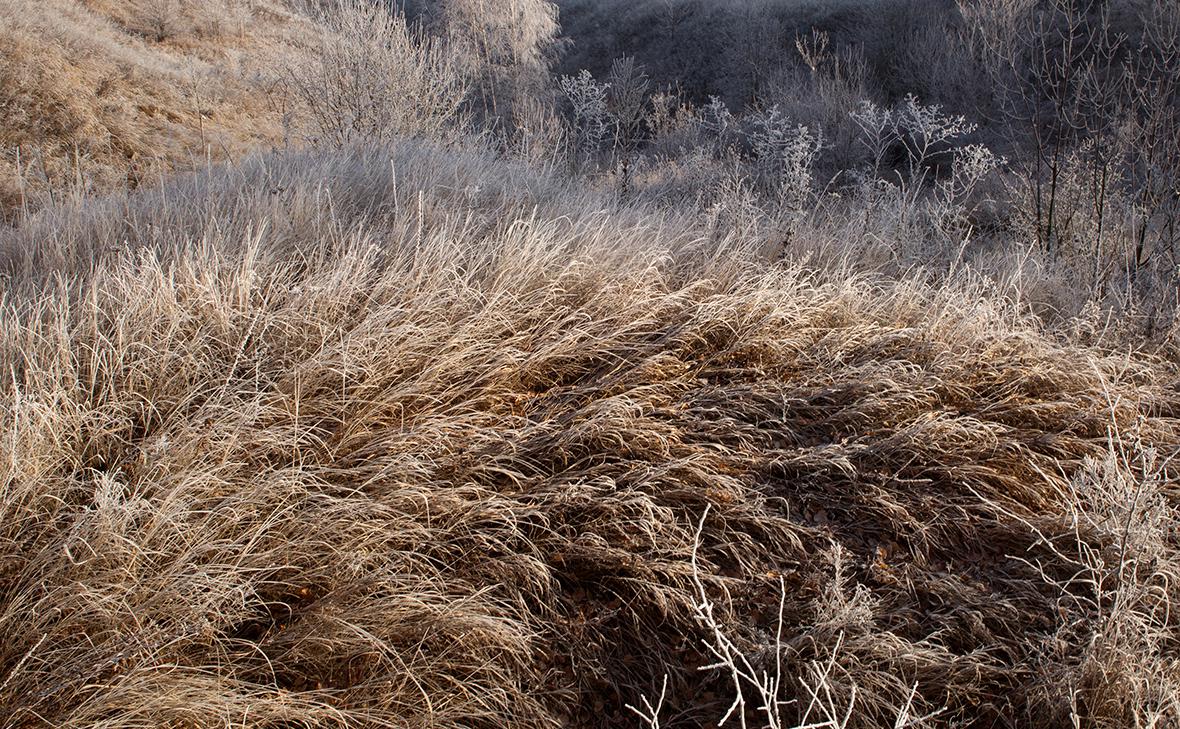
x=419 y=434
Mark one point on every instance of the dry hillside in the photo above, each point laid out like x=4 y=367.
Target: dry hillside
x=98 y=95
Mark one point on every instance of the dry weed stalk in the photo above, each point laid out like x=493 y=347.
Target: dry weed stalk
x=823 y=710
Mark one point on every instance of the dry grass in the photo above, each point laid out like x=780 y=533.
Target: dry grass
x=416 y=438
x=101 y=95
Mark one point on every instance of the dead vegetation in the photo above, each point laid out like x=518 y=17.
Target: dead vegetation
x=346 y=440
x=391 y=432
x=98 y=96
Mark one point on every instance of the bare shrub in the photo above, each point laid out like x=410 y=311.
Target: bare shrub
x=506 y=46
x=820 y=90
x=164 y=19
x=923 y=51
x=758 y=683
x=1116 y=579
x=787 y=154
x=629 y=94
x=933 y=195
x=592 y=118
x=1089 y=95
x=373 y=77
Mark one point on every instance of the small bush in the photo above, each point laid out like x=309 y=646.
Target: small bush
x=373 y=77
x=163 y=19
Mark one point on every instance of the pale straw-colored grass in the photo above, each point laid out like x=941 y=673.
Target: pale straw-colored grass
x=411 y=437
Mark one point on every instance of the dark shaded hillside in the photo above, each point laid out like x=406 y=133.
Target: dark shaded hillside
x=727 y=49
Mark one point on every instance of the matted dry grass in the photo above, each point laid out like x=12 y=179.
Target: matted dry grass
x=425 y=441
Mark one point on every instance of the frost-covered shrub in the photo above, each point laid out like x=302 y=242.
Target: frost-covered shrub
x=786 y=154
x=372 y=77
x=588 y=101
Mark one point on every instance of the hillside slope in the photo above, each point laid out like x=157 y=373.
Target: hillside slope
x=98 y=95
x=412 y=437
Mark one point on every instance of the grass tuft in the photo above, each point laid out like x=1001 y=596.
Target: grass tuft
x=411 y=437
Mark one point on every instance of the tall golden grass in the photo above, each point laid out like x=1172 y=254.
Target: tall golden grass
x=414 y=437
